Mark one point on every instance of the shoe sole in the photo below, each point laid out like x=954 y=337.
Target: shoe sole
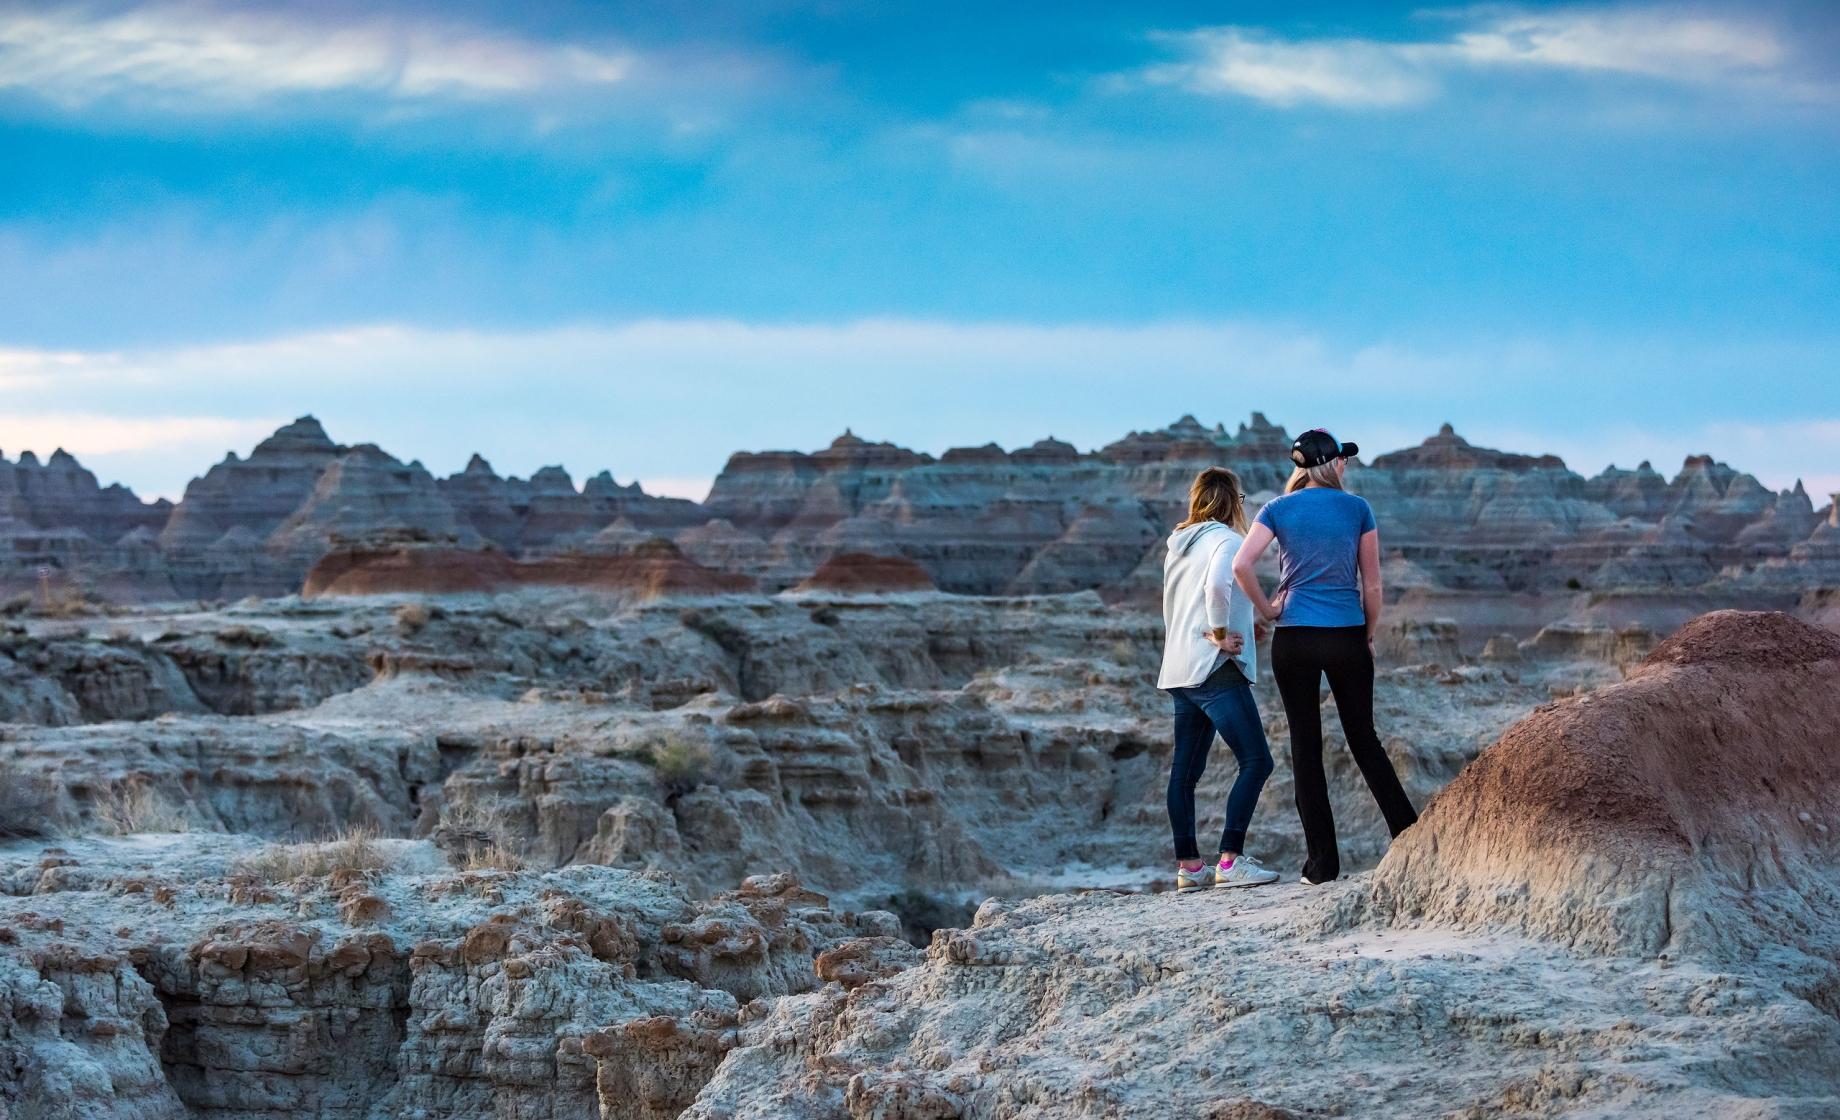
x=1249 y=883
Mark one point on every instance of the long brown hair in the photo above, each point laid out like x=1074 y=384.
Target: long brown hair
x=1215 y=495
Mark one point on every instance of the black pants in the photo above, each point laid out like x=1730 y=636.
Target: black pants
x=1300 y=657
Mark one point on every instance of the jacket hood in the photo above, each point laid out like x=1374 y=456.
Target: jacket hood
x=1183 y=540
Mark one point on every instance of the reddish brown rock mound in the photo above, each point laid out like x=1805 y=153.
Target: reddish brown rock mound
x=1695 y=807
x=1753 y=640
x=863 y=572
x=650 y=570
x=433 y=571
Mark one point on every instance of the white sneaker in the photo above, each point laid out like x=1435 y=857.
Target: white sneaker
x=1195 y=880
x=1245 y=872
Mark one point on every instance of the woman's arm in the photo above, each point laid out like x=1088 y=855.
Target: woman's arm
x=1258 y=539
x=1219 y=590
x=1371 y=601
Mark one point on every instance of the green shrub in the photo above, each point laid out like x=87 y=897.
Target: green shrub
x=682 y=763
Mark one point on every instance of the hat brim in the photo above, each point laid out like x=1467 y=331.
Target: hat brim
x=1350 y=450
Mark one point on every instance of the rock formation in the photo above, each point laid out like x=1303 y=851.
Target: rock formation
x=1621 y=908
x=1637 y=818
x=862 y=572
x=256 y=525
x=523 y=852
x=362 y=978
x=918 y=741
x=530 y=803
x=649 y=569
x=1493 y=541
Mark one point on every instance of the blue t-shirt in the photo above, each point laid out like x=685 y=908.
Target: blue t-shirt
x=1319 y=540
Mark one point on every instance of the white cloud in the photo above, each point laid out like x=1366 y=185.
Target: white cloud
x=696 y=489
x=1371 y=73
x=85 y=433
x=189 y=57
x=1654 y=43
x=22 y=368
x=1349 y=73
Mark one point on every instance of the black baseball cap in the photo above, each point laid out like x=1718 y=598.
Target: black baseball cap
x=1316 y=447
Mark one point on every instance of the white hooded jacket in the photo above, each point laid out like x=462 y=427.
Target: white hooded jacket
x=1199 y=595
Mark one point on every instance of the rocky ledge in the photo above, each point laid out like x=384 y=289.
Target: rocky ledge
x=1622 y=908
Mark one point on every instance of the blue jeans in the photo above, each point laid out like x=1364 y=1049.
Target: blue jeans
x=1221 y=703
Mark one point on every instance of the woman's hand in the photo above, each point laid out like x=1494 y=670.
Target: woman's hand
x=1273 y=610
x=1231 y=644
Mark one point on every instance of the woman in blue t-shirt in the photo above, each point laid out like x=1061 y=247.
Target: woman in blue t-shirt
x=1326 y=609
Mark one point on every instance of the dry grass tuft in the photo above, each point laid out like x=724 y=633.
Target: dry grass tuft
x=133 y=807
x=469 y=837
x=354 y=852
x=489 y=857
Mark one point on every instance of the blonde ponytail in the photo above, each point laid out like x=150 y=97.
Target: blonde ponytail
x=1323 y=475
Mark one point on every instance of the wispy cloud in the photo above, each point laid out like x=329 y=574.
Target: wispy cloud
x=20 y=369
x=1346 y=73
x=1357 y=73
x=193 y=57
x=1654 y=43
x=87 y=433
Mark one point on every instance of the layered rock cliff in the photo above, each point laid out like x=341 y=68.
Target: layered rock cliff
x=1495 y=540
x=257 y=525
x=363 y=978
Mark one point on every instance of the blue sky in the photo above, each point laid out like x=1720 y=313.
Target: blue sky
x=640 y=238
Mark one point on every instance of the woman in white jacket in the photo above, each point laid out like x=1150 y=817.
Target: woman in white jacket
x=1210 y=659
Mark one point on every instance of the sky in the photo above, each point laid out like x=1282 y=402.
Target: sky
x=640 y=237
